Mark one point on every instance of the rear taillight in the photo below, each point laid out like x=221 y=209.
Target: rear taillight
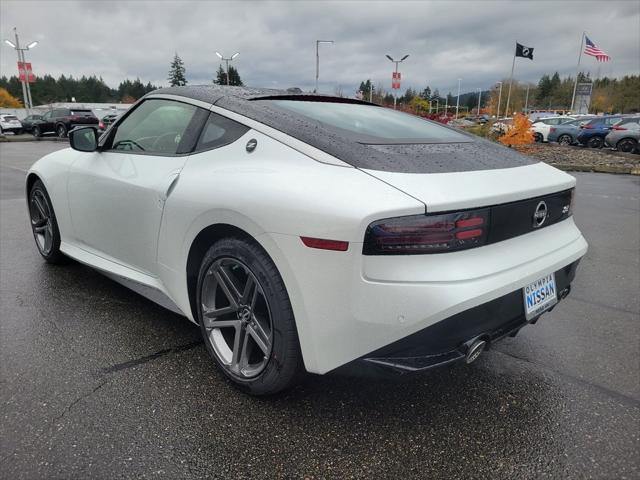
x=420 y=234
x=101 y=125
x=617 y=128
x=552 y=129
x=588 y=127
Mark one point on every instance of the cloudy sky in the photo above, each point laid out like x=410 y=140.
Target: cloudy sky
x=446 y=40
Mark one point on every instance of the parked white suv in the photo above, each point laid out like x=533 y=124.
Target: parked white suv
x=10 y=123
x=542 y=126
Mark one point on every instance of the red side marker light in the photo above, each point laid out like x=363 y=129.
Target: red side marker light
x=324 y=244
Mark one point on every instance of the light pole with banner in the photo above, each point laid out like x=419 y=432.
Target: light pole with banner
x=458 y=99
x=24 y=69
x=318 y=42
x=395 y=83
x=499 y=100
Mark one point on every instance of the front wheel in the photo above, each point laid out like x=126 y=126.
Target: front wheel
x=595 y=142
x=627 y=145
x=36 y=132
x=44 y=225
x=246 y=318
x=61 y=130
x=538 y=137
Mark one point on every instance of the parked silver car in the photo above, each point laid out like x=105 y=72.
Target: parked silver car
x=566 y=133
x=624 y=135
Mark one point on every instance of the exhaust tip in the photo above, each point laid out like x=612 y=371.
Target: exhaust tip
x=475 y=350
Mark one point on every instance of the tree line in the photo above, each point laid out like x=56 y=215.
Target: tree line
x=93 y=89
x=551 y=92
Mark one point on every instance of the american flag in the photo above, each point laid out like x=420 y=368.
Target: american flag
x=591 y=49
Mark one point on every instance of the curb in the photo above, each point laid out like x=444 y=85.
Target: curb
x=598 y=168
x=32 y=139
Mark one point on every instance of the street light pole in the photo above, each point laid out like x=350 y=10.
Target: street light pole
x=397 y=62
x=499 y=99
x=458 y=100
x=479 y=98
x=227 y=60
x=318 y=42
x=26 y=89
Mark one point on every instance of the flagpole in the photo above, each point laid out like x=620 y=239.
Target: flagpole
x=575 y=84
x=506 y=110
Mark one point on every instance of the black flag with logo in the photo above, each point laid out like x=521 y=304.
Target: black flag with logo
x=522 y=51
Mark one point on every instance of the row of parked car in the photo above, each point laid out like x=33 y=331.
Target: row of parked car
x=59 y=121
x=615 y=131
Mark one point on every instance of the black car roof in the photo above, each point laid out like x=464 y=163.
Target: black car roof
x=474 y=154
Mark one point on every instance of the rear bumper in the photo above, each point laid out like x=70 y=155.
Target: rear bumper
x=348 y=305
x=449 y=340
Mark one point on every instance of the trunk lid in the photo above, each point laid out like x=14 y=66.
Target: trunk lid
x=442 y=192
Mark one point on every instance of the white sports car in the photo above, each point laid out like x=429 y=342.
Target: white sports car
x=311 y=233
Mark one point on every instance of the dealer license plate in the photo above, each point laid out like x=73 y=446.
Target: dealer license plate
x=540 y=296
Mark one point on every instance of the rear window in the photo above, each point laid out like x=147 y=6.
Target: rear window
x=10 y=117
x=81 y=113
x=371 y=124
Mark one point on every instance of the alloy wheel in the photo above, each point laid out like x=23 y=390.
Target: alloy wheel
x=627 y=145
x=564 y=140
x=41 y=221
x=236 y=318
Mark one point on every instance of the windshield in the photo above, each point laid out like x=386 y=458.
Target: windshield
x=372 y=124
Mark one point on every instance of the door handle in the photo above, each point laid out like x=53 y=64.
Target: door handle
x=169 y=185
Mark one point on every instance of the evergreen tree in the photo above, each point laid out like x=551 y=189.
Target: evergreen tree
x=426 y=93
x=177 y=72
x=365 y=88
x=234 y=77
x=221 y=76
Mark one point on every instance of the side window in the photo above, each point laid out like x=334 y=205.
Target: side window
x=219 y=131
x=47 y=115
x=155 y=126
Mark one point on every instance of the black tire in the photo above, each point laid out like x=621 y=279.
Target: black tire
x=18 y=132
x=627 y=145
x=61 y=131
x=565 y=139
x=36 y=131
x=538 y=137
x=284 y=364
x=43 y=216
x=595 y=142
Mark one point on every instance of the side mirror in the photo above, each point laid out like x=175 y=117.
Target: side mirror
x=84 y=139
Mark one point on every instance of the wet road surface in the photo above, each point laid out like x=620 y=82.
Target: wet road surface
x=98 y=382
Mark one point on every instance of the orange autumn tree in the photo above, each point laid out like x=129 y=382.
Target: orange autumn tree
x=520 y=133
x=7 y=100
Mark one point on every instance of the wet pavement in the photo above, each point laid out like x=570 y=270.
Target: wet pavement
x=97 y=382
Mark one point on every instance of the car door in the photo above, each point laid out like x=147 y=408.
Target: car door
x=45 y=123
x=117 y=194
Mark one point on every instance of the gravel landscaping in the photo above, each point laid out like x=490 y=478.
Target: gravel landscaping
x=583 y=159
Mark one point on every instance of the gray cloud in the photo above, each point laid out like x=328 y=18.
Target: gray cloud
x=472 y=40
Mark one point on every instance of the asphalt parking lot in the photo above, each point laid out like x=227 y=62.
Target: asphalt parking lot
x=97 y=382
